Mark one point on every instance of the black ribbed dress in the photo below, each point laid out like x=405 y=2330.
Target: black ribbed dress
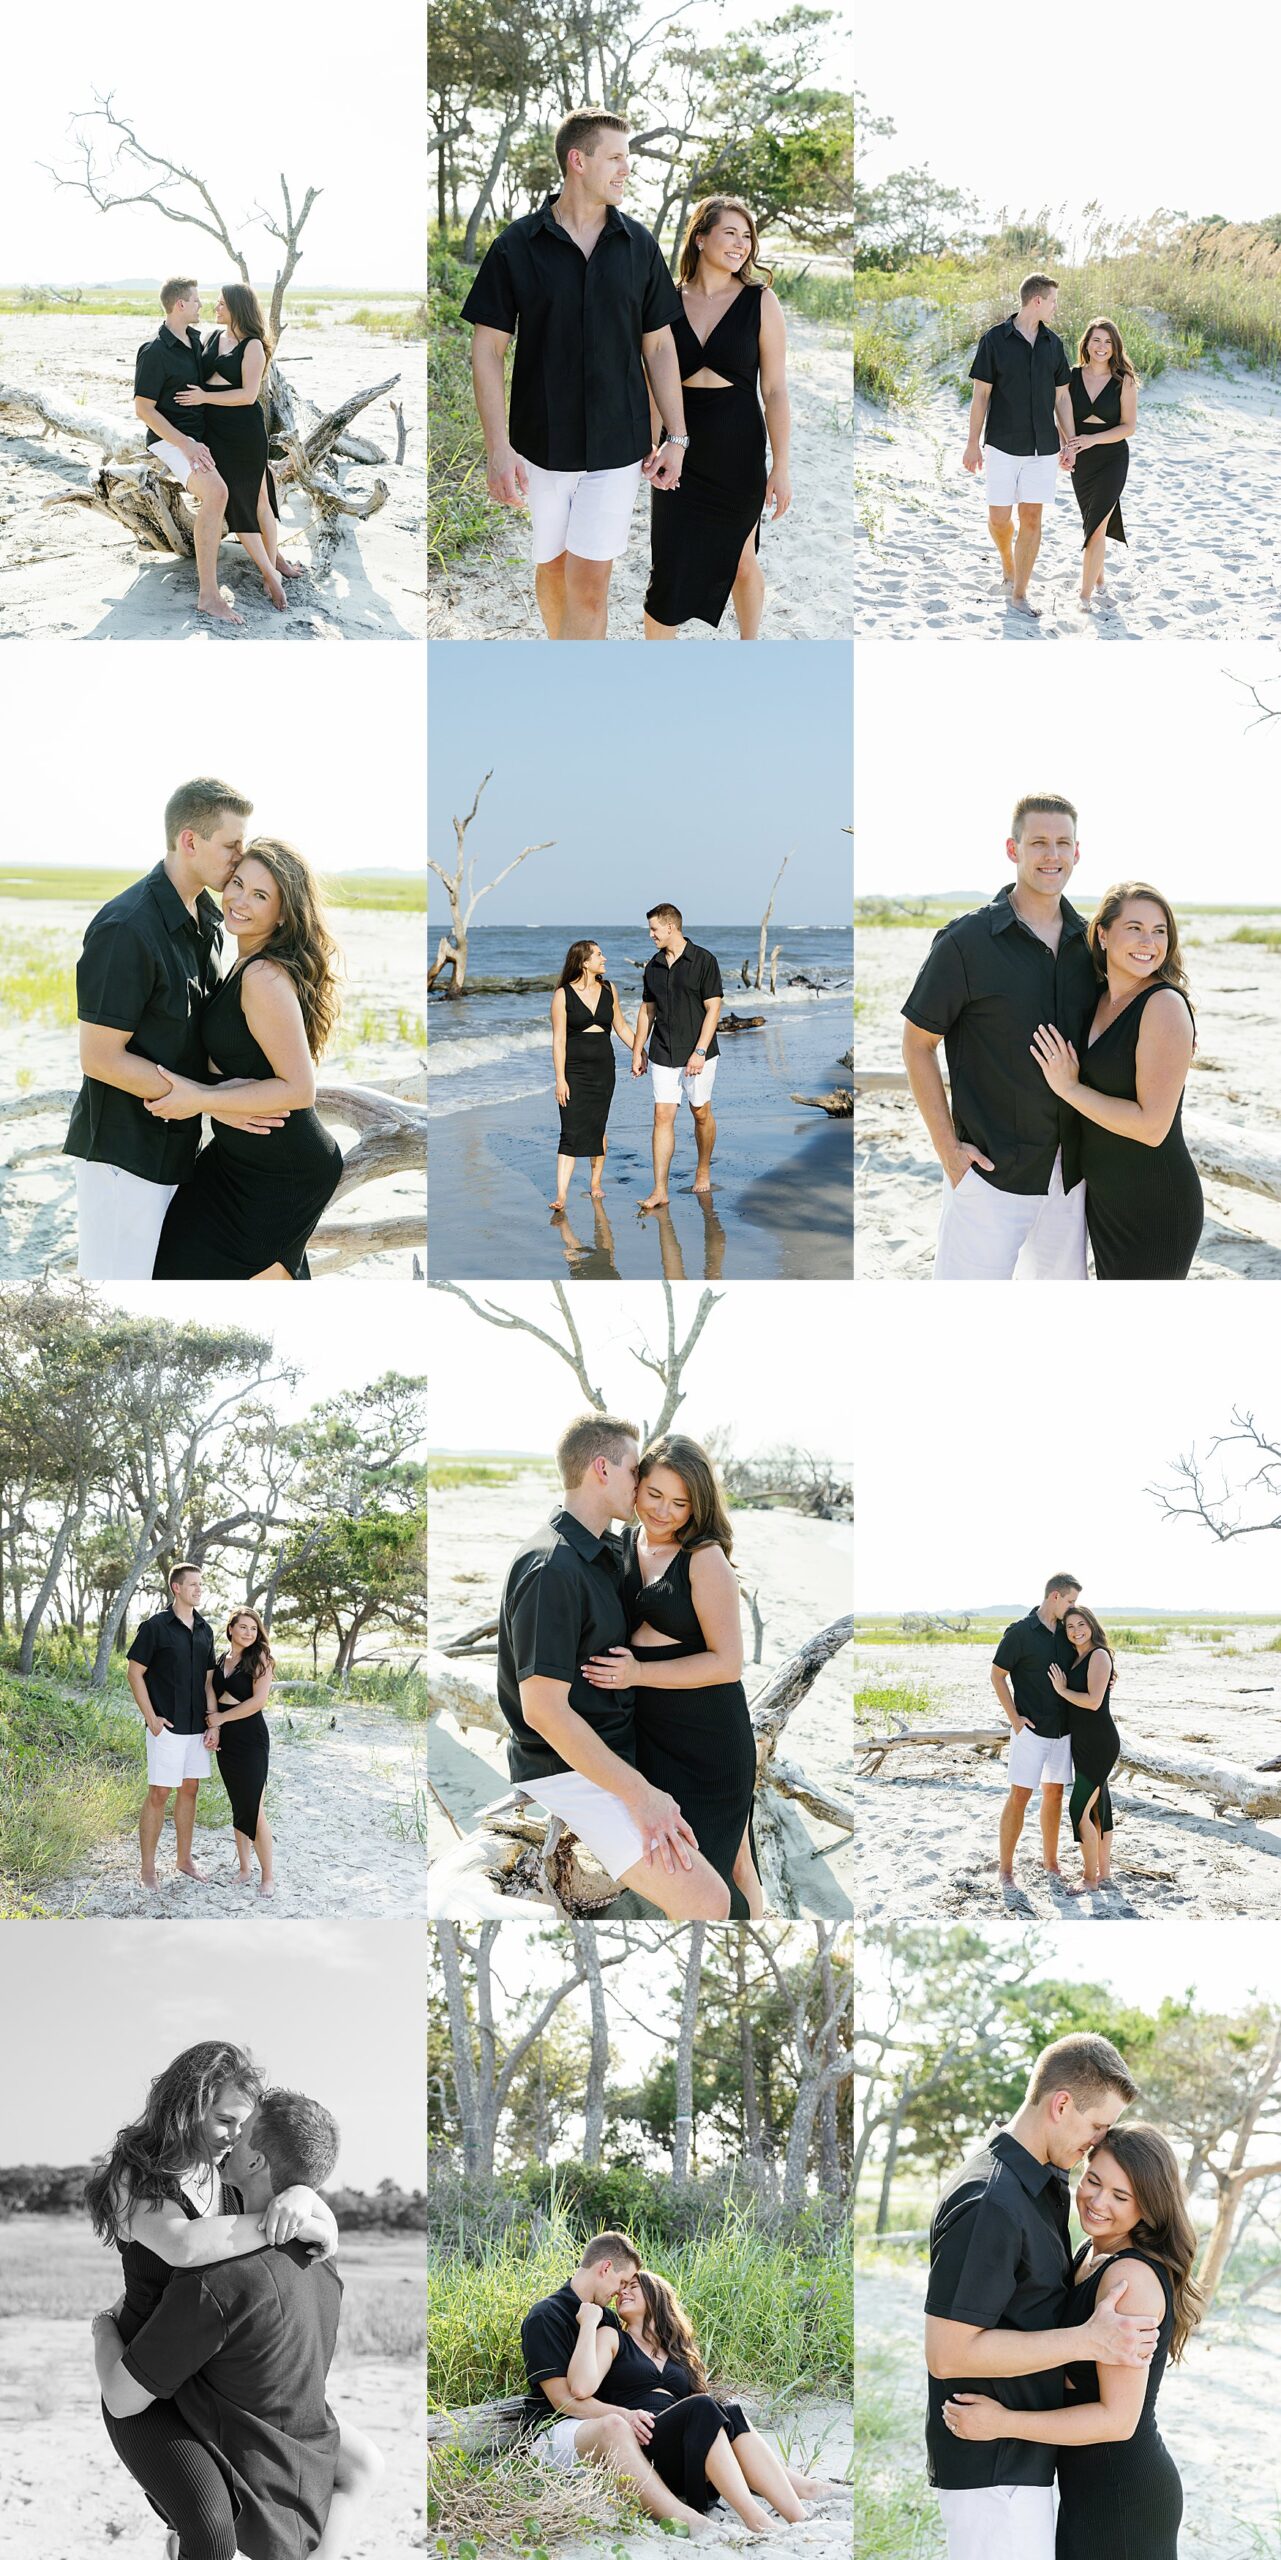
x=1119 y=2501
x=252 y=1200
x=1143 y=1205
x=1100 y=472
x=697 y=1744
x=244 y=1748
x=589 y=1072
x=184 y=2479
x=1096 y=1747
x=697 y=530
x=237 y=439
x=686 y=2422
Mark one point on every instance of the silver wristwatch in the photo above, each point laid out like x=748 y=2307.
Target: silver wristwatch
x=682 y=441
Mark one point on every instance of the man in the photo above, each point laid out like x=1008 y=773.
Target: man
x=588 y=295
x=165 y=364
x=681 y=996
x=573 y=1746
x=167 y=1664
x=1013 y=1198
x=151 y=959
x=1021 y=415
x=589 y=2430
x=1040 y=1751
x=243 y=2348
x=1000 y=2282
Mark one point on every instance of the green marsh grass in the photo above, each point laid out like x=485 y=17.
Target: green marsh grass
x=1268 y=937
x=908 y=1698
x=398 y=892
x=445 y=1474
x=36 y=986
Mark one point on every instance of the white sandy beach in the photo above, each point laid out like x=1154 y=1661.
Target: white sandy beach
x=1202 y=512
x=343 y=1803
x=1217 y=2415
x=1235 y=1086
x=808 y=559
x=798 y=1568
x=927 y=1821
x=812 y=2434
x=69 y=573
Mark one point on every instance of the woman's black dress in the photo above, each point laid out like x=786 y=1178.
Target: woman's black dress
x=184 y=2478
x=686 y=2422
x=237 y=439
x=697 y=531
x=252 y=1200
x=697 y=1744
x=1096 y=1748
x=1119 y=2501
x=1100 y=471
x=1143 y=1205
x=244 y=1748
x=589 y=1072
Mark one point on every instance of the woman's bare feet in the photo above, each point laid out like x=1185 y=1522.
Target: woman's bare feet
x=244 y=1875
x=216 y=607
x=558 y=1204
x=289 y=568
x=274 y=585
x=266 y=1887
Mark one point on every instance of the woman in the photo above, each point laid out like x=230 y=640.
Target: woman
x=702 y=2448
x=1086 y=1691
x=586 y=1015
x=1104 y=392
x=1119 y=2490
x=1143 y=1202
x=236 y=1693
x=693 y=1733
x=237 y=354
x=158 y=2197
x=252 y=1203
x=730 y=337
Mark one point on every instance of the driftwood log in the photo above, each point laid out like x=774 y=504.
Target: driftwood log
x=525 y=1854
x=740 y=1022
x=838 y=1104
x=1229 y=1790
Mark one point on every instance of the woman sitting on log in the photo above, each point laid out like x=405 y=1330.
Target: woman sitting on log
x=237 y=354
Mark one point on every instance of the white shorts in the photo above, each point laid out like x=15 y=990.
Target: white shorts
x=986 y=1234
x=558 y=2444
x=602 y=1824
x=998 y=2524
x=670 y=1083
x=1027 y=479
x=171 y=1757
x=173 y=459
x=1039 y=1760
x=586 y=512
x=120 y=1217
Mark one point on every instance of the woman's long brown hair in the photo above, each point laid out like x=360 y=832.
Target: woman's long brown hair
x=708 y=1522
x=703 y=219
x=257 y=1656
x=1119 y=364
x=1171 y=972
x=671 y=2325
x=1164 y=2230
x=576 y=959
x=1098 y=1633
x=246 y=315
x=149 y=2157
x=301 y=942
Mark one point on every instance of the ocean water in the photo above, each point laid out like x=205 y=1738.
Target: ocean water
x=494 y=1048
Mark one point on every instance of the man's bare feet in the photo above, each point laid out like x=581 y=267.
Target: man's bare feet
x=1006 y=1874
x=275 y=589
x=656 y=1200
x=1054 y=1870
x=200 y=1874
x=703 y=1182
x=1024 y=604
x=596 y=1191
x=152 y=1882
x=217 y=608
x=266 y=1888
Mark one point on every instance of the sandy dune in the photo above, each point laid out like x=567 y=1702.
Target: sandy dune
x=927 y=1822
x=1202 y=511
x=1235 y=1082
x=808 y=559
x=68 y=573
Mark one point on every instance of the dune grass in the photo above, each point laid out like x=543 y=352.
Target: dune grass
x=907 y=1698
x=1266 y=936
x=36 y=985
x=394 y=891
x=72 y=1773
x=404 y=323
x=444 y=1475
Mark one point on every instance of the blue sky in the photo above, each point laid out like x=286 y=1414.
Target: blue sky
x=646 y=776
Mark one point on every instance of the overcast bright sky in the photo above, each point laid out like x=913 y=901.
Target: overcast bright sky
x=1133 y=109
x=1006 y=1435
x=339 y=107
x=643 y=787
x=1170 y=780
x=1224 y=1965
x=331 y=746
x=341 y=1336
x=336 y=2008
x=773 y=1359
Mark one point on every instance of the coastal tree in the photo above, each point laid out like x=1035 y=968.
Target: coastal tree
x=464 y=898
x=683 y=2141
x=482 y=2065
x=668 y=1360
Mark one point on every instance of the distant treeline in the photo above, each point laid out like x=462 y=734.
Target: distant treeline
x=39 y=2188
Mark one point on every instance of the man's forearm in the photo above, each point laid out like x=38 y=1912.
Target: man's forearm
x=664 y=374
x=150 y=416
x=580 y=1744
x=490 y=391
x=129 y=1074
x=929 y=1093
x=108 y=2348
x=1004 y=2355
x=1005 y=1699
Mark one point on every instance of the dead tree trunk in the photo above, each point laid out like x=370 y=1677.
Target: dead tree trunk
x=753 y=2141
x=1241 y=2172
x=683 y=2127
x=598 y=2059
x=464 y=896
x=759 y=979
x=668 y=1365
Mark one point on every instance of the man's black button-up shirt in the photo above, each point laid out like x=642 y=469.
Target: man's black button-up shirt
x=578 y=395
x=999 y=2259
x=1026 y=1651
x=175 y=1659
x=147 y=967
x=1024 y=374
x=677 y=995
x=562 y=1602
x=168 y=363
x=986 y=982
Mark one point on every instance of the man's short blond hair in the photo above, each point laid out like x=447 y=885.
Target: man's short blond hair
x=1085 y=2066
x=593 y=1435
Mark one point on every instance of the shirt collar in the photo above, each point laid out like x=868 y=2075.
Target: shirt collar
x=545 y=219
x=175 y=913
x=1008 y=329
x=1002 y=912
x=164 y=331
x=581 y=1539
x=1034 y=2176
x=196 y=1619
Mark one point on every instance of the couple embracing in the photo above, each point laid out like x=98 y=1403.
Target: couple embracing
x=620 y=1664
x=168 y=1036
x=200 y=400
x=1045 y=2366
x=1053 y=1672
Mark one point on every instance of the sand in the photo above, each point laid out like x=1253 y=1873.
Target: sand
x=1202 y=511
x=927 y=1823
x=383 y=953
x=343 y=1806
x=808 y=559
x=1235 y=1084
x=810 y=2433
x=800 y=1570
x=69 y=573
x=1217 y=2415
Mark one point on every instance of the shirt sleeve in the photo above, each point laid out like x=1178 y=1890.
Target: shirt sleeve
x=941 y=991
x=711 y=977
x=492 y=303
x=975 y=2266
x=983 y=369
x=115 y=977
x=149 y=371
x=1009 y=1652
x=546 y=1628
x=1062 y=369
x=143 y=1648
x=660 y=301
x=545 y=2344
x=186 y=2328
